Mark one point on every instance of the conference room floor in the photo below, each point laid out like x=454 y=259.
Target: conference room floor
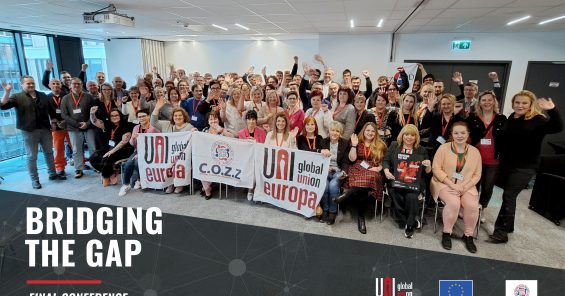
x=536 y=241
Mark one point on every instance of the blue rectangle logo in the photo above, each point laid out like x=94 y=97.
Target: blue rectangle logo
x=456 y=288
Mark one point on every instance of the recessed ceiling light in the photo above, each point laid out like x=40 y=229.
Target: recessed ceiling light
x=220 y=27
x=380 y=24
x=352 y=24
x=518 y=20
x=551 y=20
x=242 y=26
x=272 y=38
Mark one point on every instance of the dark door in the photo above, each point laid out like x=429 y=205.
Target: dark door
x=471 y=71
x=547 y=79
x=70 y=57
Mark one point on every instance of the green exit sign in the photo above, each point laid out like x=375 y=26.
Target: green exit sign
x=461 y=45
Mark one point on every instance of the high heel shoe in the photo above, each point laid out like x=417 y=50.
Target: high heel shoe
x=361 y=225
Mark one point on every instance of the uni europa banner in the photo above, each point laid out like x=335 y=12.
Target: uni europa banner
x=164 y=159
x=290 y=179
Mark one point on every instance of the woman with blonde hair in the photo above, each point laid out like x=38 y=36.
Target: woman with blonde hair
x=520 y=148
x=404 y=165
x=365 y=180
x=233 y=112
x=486 y=124
x=268 y=112
x=441 y=122
x=457 y=170
x=406 y=114
x=256 y=103
x=280 y=135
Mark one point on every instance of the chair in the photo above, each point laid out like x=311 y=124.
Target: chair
x=476 y=235
x=385 y=195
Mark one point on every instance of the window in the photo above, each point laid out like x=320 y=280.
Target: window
x=94 y=54
x=11 y=142
x=36 y=50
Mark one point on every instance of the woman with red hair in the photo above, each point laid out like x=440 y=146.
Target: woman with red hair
x=309 y=140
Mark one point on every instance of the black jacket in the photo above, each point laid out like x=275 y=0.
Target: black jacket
x=391 y=161
x=362 y=120
x=436 y=129
x=479 y=131
x=31 y=115
x=342 y=152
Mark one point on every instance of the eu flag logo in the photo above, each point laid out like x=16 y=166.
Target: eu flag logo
x=456 y=288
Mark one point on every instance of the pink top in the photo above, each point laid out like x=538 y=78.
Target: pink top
x=296 y=120
x=259 y=134
x=136 y=128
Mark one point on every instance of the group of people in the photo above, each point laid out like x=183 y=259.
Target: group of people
x=418 y=144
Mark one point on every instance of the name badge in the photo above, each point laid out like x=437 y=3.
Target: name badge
x=111 y=143
x=77 y=111
x=486 y=142
x=365 y=164
x=135 y=121
x=58 y=111
x=441 y=140
x=403 y=156
x=194 y=118
x=457 y=176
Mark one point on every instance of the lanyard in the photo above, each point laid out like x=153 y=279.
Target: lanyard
x=277 y=139
x=313 y=146
x=193 y=107
x=256 y=106
x=407 y=121
x=359 y=119
x=337 y=110
x=135 y=108
x=365 y=153
x=315 y=112
x=380 y=118
x=113 y=132
x=57 y=101
x=77 y=102
x=461 y=158
x=489 y=125
x=108 y=107
x=444 y=123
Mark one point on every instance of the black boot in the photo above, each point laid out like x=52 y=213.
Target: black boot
x=470 y=244
x=446 y=241
x=342 y=197
x=361 y=225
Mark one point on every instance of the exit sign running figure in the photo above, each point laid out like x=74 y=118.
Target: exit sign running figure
x=461 y=45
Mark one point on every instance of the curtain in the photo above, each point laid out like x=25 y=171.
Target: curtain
x=153 y=54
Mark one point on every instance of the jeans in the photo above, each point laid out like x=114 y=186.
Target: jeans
x=128 y=168
x=77 y=140
x=332 y=191
x=512 y=181
x=32 y=140
x=488 y=178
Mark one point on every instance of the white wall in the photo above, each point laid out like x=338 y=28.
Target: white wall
x=516 y=47
x=123 y=58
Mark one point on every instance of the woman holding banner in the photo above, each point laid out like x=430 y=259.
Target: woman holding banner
x=253 y=133
x=336 y=149
x=215 y=127
x=279 y=135
x=118 y=132
x=309 y=140
x=179 y=122
x=404 y=165
x=365 y=179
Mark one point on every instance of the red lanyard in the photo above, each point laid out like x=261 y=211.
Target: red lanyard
x=135 y=108
x=358 y=119
x=487 y=126
x=77 y=102
x=461 y=157
x=256 y=106
x=444 y=124
x=313 y=146
x=57 y=101
x=402 y=119
x=380 y=118
x=277 y=139
x=108 y=107
x=365 y=153
x=113 y=132
x=337 y=111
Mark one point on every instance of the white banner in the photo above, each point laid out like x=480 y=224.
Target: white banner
x=223 y=160
x=164 y=159
x=290 y=179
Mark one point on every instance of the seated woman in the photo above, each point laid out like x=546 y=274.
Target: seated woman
x=215 y=127
x=130 y=166
x=407 y=160
x=252 y=133
x=179 y=122
x=118 y=132
x=336 y=149
x=309 y=140
x=365 y=179
x=279 y=135
x=457 y=169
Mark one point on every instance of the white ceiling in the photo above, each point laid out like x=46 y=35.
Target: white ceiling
x=281 y=19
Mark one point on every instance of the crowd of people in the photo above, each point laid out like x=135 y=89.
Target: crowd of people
x=420 y=142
